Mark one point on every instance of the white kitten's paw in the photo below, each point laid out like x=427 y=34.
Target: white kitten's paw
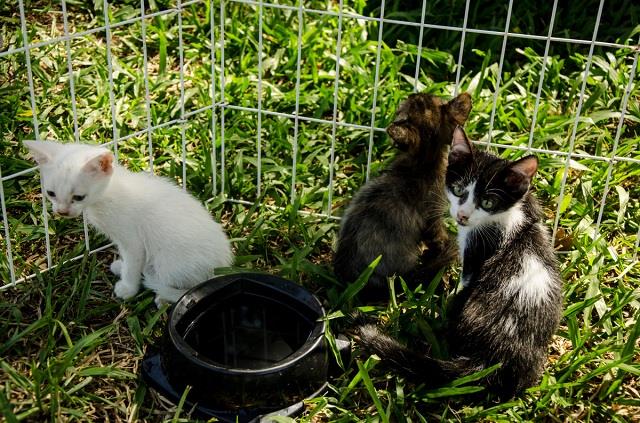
x=160 y=301
x=116 y=267
x=125 y=290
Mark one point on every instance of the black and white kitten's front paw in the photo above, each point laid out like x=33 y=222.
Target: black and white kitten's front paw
x=125 y=289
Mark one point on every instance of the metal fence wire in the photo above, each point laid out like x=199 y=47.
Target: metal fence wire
x=220 y=102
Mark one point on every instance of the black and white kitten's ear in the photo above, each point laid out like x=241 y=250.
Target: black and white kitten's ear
x=459 y=108
x=43 y=152
x=100 y=164
x=521 y=172
x=460 y=145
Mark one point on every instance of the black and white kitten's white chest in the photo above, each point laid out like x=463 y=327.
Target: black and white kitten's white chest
x=476 y=247
x=502 y=261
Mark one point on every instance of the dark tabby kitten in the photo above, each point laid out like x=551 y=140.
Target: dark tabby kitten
x=511 y=302
x=400 y=212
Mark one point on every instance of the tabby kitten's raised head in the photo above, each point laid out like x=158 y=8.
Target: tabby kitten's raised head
x=483 y=188
x=424 y=121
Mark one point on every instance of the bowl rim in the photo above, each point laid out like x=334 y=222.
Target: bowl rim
x=315 y=340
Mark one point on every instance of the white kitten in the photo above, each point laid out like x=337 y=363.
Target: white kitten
x=161 y=231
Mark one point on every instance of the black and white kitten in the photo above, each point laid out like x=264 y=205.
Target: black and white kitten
x=511 y=302
x=400 y=213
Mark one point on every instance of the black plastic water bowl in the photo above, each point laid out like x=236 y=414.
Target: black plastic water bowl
x=248 y=345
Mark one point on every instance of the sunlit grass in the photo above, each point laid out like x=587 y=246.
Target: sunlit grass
x=70 y=351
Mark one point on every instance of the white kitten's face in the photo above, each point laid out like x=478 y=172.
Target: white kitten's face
x=70 y=189
x=73 y=176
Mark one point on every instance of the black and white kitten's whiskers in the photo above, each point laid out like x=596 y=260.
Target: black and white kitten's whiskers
x=511 y=302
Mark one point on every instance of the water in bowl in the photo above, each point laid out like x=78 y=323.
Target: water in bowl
x=248 y=332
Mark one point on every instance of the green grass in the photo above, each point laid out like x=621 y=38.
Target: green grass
x=71 y=352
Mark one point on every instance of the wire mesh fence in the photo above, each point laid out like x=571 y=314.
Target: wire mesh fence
x=210 y=39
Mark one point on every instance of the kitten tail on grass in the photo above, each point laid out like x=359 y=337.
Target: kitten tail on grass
x=414 y=365
x=166 y=239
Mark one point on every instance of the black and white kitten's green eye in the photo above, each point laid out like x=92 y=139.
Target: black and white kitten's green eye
x=78 y=197
x=487 y=204
x=51 y=194
x=457 y=190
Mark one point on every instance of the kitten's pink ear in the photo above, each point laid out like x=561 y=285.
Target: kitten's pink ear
x=459 y=108
x=521 y=172
x=460 y=145
x=101 y=164
x=43 y=152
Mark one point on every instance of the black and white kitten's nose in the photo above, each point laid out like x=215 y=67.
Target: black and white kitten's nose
x=462 y=218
